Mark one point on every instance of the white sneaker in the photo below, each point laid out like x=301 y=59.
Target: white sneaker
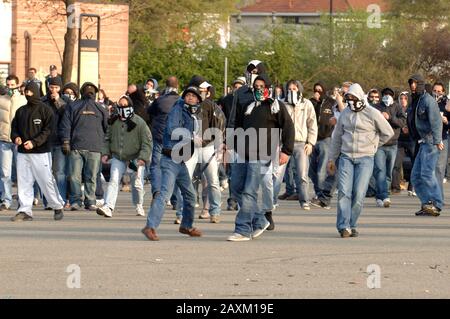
x=379 y=203
x=140 y=210
x=411 y=193
x=445 y=180
x=258 y=232
x=99 y=202
x=305 y=206
x=238 y=237
x=387 y=202
x=104 y=211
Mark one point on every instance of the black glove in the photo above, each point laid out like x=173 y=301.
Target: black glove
x=66 y=148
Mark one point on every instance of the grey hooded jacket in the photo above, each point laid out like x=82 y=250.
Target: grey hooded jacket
x=359 y=134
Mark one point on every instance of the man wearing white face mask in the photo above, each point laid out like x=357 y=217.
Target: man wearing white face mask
x=360 y=130
x=129 y=127
x=386 y=154
x=8 y=106
x=303 y=116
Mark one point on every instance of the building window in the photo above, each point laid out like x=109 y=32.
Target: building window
x=4 y=72
x=27 y=52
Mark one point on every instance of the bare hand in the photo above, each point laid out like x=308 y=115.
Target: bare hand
x=308 y=149
x=141 y=162
x=198 y=141
x=333 y=121
x=440 y=146
x=316 y=96
x=105 y=159
x=405 y=130
x=18 y=141
x=386 y=115
x=28 y=145
x=331 y=168
x=284 y=158
x=444 y=120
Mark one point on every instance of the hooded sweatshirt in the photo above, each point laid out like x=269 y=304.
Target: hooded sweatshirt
x=304 y=118
x=359 y=134
x=266 y=116
x=397 y=118
x=33 y=122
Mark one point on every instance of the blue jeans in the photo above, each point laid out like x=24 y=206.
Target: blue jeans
x=353 y=180
x=155 y=169
x=441 y=166
x=246 y=178
x=290 y=177
x=301 y=161
x=6 y=160
x=60 y=165
x=267 y=188
x=383 y=166
x=118 y=168
x=86 y=163
x=423 y=175
x=171 y=174
x=318 y=165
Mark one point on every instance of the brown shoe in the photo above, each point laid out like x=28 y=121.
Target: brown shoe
x=193 y=232
x=150 y=233
x=293 y=197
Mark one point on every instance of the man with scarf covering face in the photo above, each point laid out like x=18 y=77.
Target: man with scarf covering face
x=128 y=143
x=386 y=154
x=257 y=131
x=425 y=127
x=303 y=116
x=181 y=135
x=30 y=131
x=360 y=130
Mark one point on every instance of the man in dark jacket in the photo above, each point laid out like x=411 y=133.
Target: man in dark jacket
x=82 y=131
x=256 y=124
x=385 y=156
x=441 y=99
x=180 y=135
x=30 y=131
x=60 y=162
x=425 y=127
x=52 y=75
x=158 y=113
x=323 y=106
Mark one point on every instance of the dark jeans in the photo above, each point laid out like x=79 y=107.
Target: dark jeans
x=404 y=148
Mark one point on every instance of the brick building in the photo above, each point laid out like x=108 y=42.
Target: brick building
x=37 y=32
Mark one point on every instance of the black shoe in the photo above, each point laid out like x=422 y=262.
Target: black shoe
x=58 y=214
x=345 y=233
x=3 y=207
x=232 y=204
x=420 y=213
x=318 y=203
x=48 y=208
x=283 y=196
x=21 y=217
x=431 y=210
x=354 y=233
x=269 y=218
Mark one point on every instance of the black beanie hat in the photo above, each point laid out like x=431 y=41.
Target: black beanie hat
x=55 y=81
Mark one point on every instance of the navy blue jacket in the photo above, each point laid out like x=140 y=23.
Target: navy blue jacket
x=158 y=112
x=84 y=124
x=424 y=110
x=182 y=124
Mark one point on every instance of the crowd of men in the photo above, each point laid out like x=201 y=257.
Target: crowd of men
x=63 y=144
